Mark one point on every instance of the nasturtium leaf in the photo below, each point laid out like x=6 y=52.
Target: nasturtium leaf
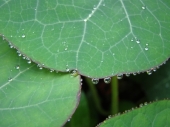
x=81 y=117
x=156 y=114
x=157 y=85
x=99 y=38
x=30 y=97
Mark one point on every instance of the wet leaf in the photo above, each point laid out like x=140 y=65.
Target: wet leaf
x=99 y=38
x=31 y=97
x=156 y=114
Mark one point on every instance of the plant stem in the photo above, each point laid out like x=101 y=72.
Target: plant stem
x=95 y=97
x=114 y=102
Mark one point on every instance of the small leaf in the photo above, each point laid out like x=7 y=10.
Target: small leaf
x=30 y=97
x=156 y=114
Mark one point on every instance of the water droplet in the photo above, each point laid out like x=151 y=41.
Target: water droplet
x=119 y=76
x=134 y=74
x=17 y=67
x=67 y=70
x=95 y=81
x=85 y=20
x=146 y=44
x=24 y=57
x=154 y=69
x=10 y=45
x=137 y=41
x=145 y=103
x=68 y=120
x=51 y=70
x=107 y=80
x=103 y=4
x=65 y=48
x=74 y=73
x=23 y=36
x=141 y=105
x=9 y=79
x=149 y=72
x=11 y=35
x=146 y=48
x=29 y=62
x=39 y=66
x=143 y=7
x=131 y=39
x=127 y=74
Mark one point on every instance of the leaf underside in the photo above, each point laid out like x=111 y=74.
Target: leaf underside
x=99 y=38
x=156 y=114
x=30 y=97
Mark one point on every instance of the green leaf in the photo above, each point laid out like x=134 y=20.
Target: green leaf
x=99 y=38
x=156 y=114
x=30 y=97
x=157 y=85
x=81 y=117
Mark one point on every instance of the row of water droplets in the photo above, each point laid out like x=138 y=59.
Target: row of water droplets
x=74 y=72
x=107 y=80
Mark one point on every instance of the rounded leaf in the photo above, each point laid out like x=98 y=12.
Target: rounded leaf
x=99 y=38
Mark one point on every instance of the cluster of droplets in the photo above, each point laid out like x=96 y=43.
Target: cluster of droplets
x=146 y=47
x=107 y=80
x=138 y=42
x=65 y=46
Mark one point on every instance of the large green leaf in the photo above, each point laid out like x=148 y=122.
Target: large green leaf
x=99 y=38
x=30 y=97
x=156 y=114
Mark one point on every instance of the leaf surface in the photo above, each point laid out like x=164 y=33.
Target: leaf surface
x=30 y=97
x=156 y=114
x=99 y=38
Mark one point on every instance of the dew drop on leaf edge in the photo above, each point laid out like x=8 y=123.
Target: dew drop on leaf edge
x=107 y=80
x=119 y=76
x=95 y=81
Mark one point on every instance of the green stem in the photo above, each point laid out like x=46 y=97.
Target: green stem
x=114 y=102
x=95 y=96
